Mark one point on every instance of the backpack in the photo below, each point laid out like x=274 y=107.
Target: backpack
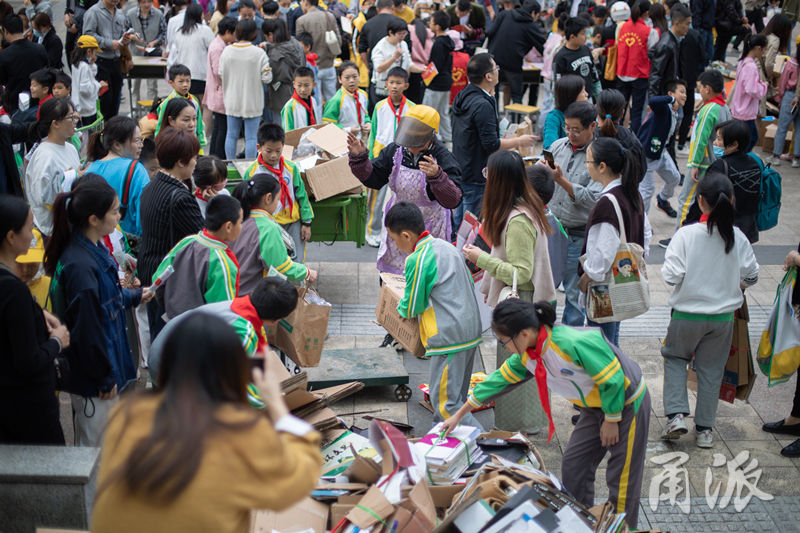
x=769 y=202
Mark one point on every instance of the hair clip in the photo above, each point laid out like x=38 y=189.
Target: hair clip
x=251 y=183
x=608 y=116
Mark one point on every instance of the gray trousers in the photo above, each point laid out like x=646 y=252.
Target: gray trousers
x=686 y=196
x=89 y=417
x=440 y=101
x=710 y=342
x=376 y=200
x=625 y=470
x=449 y=385
x=293 y=230
x=666 y=168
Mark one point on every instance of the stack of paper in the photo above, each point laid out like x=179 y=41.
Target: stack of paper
x=446 y=459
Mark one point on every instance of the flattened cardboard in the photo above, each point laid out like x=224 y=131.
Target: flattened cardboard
x=377 y=505
x=363 y=469
x=292 y=137
x=406 y=331
x=330 y=138
x=331 y=178
x=308 y=514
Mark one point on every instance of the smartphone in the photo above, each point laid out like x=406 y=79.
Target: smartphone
x=548 y=157
x=794 y=109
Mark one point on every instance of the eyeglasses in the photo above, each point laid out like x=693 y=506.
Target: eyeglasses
x=574 y=131
x=501 y=341
x=494 y=69
x=76 y=118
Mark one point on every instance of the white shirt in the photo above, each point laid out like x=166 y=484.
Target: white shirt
x=44 y=178
x=706 y=279
x=191 y=50
x=382 y=52
x=602 y=243
x=174 y=25
x=85 y=88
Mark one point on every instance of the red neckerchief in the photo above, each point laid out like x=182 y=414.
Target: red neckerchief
x=38 y=109
x=312 y=59
x=199 y=194
x=229 y=253
x=421 y=236
x=399 y=111
x=286 y=197
x=717 y=100
x=704 y=217
x=541 y=377
x=110 y=247
x=312 y=121
x=358 y=104
x=243 y=307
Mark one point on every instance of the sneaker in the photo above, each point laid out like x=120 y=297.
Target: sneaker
x=682 y=150
x=373 y=241
x=674 y=428
x=705 y=439
x=664 y=243
x=664 y=206
x=774 y=161
x=786 y=157
x=795 y=163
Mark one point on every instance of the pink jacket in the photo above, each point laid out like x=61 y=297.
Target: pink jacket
x=420 y=54
x=213 y=95
x=551 y=46
x=788 y=78
x=749 y=91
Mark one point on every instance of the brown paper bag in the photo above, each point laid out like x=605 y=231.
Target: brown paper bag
x=525 y=128
x=302 y=333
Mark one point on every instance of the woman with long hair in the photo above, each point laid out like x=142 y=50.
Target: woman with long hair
x=421 y=43
x=220 y=11
x=190 y=47
x=87 y=296
x=54 y=163
x=788 y=98
x=286 y=56
x=114 y=153
x=701 y=325
x=658 y=18
x=261 y=244
x=604 y=384
x=778 y=33
x=30 y=340
x=635 y=38
x=515 y=223
x=750 y=90
x=192 y=455
x=568 y=89
x=617 y=169
x=610 y=113
x=179 y=113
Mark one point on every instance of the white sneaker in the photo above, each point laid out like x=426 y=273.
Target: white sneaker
x=674 y=428
x=795 y=163
x=705 y=439
x=774 y=161
x=373 y=241
x=684 y=152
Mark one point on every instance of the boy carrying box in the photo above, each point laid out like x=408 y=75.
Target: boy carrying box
x=385 y=116
x=294 y=211
x=206 y=270
x=301 y=109
x=439 y=292
x=180 y=79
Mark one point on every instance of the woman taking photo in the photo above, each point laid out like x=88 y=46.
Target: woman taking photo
x=604 y=384
x=194 y=456
x=169 y=211
x=617 y=169
x=516 y=225
x=87 y=295
x=568 y=89
x=114 y=153
x=30 y=340
x=285 y=55
x=54 y=162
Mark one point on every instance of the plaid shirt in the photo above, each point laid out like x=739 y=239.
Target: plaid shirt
x=162 y=25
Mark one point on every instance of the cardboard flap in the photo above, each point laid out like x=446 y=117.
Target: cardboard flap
x=330 y=138
x=338 y=392
x=420 y=497
x=292 y=137
x=308 y=514
x=372 y=507
x=331 y=178
x=362 y=469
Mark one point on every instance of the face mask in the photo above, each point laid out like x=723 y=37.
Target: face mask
x=284 y=10
x=719 y=151
x=37 y=34
x=424 y=16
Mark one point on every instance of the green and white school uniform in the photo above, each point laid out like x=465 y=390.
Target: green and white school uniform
x=298 y=113
x=347 y=109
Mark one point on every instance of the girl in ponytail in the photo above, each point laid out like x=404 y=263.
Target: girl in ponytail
x=611 y=105
x=708 y=263
x=263 y=243
x=578 y=364
x=750 y=90
x=616 y=168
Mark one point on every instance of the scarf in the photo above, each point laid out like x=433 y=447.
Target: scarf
x=541 y=377
x=312 y=121
x=719 y=99
x=243 y=307
x=43 y=100
x=286 y=196
x=228 y=252
x=311 y=59
x=358 y=103
x=704 y=218
x=398 y=113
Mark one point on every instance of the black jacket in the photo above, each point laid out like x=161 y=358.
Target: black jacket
x=728 y=14
x=629 y=141
x=703 y=14
x=476 y=132
x=655 y=129
x=18 y=61
x=664 y=65
x=54 y=47
x=511 y=36
x=11 y=134
x=441 y=56
x=692 y=57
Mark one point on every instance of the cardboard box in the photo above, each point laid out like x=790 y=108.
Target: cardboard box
x=308 y=514
x=768 y=143
x=406 y=331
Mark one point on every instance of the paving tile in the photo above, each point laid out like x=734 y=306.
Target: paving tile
x=741 y=428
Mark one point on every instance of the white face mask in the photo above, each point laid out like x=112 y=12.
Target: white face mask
x=284 y=10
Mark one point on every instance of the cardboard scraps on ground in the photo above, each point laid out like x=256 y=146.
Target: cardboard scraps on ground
x=308 y=514
x=406 y=331
x=370 y=509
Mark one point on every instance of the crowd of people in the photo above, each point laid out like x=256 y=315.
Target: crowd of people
x=122 y=249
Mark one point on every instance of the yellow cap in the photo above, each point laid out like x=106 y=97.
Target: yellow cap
x=87 y=41
x=417 y=127
x=35 y=250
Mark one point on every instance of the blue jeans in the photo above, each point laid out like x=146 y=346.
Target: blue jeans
x=327 y=81
x=610 y=330
x=707 y=41
x=232 y=136
x=753 y=134
x=785 y=118
x=471 y=200
x=573 y=314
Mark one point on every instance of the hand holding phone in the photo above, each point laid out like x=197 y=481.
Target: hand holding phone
x=548 y=157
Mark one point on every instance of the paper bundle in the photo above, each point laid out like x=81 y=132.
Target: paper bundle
x=446 y=459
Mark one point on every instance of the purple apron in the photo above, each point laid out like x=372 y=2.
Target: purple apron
x=406 y=184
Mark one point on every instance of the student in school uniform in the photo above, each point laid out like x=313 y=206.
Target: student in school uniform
x=385 y=116
x=180 y=79
x=348 y=107
x=301 y=110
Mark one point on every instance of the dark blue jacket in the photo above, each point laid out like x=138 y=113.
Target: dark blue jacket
x=703 y=14
x=88 y=298
x=655 y=129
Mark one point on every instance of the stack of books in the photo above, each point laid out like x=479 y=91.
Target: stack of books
x=446 y=459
